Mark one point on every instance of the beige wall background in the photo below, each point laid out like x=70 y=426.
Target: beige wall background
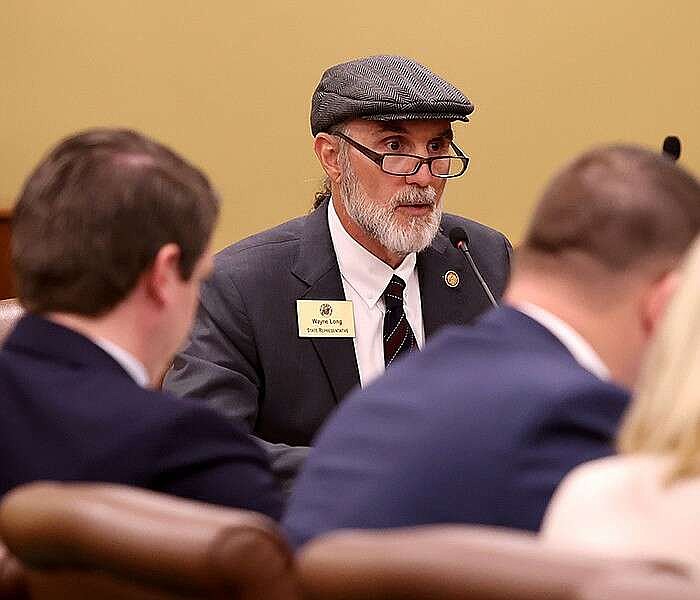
x=229 y=83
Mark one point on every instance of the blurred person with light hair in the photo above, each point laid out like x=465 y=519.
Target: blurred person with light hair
x=644 y=502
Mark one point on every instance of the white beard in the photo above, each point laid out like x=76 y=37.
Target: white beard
x=380 y=221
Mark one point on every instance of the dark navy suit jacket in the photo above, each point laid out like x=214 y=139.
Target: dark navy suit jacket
x=70 y=412
x=479 y=427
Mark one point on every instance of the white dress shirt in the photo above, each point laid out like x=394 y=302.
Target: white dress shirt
x=126 y=360
x=581 y=350
x=365 y=278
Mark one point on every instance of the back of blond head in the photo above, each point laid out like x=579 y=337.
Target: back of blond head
x=664 y=417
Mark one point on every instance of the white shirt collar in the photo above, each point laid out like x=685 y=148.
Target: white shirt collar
x=126 y=360
x=580 y=349
x=361 y=269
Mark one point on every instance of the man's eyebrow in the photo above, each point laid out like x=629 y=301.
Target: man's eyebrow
x=448 y=134
x=397 y=127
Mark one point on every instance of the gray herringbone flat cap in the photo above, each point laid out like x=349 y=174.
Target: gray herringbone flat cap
x=384 y=88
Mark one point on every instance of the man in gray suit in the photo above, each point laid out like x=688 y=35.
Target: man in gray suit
x=296 y=316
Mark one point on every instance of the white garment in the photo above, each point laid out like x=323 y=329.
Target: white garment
x=128 y=361
x=365 y=278
x=621 y=506
x=580 y=349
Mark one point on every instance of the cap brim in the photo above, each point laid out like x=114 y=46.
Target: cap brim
x=417 y=117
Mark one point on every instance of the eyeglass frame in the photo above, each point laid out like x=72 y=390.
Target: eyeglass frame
x=378 y=158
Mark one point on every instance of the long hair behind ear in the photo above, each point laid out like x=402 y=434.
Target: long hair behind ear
x=664 y=417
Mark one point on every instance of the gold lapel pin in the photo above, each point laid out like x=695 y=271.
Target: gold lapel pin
x=451 y=279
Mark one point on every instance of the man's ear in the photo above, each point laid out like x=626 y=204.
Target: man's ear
x=326 y=149
x=656 y=300
x=163 y=274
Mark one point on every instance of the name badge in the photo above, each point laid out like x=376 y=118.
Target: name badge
x=325 y=318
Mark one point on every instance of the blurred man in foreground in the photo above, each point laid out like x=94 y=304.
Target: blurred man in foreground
x=482 y=425
x=110 y=245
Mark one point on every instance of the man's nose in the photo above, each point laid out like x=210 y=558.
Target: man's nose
x=422 y=177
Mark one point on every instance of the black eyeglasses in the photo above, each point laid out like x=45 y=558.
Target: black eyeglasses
x=404 y=165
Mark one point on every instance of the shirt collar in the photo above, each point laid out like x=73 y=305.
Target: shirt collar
x=361 y=269
x=580 y=349
x=126 y=360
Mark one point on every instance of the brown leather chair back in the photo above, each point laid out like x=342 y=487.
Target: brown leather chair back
x=13 y=585
x=10 y=312
x=453 y=563
x=108 y=541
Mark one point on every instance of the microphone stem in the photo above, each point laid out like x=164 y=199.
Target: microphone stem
x=476 y=272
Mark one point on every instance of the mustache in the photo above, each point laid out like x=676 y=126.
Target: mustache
x=411 y=196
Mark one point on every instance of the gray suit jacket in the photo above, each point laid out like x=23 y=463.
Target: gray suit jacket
x=245 y=356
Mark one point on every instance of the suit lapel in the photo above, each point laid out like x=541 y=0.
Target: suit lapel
x=441 y=304
x=317 y=266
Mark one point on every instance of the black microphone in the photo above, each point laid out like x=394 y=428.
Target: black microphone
x=460 y=240
x=672 y=147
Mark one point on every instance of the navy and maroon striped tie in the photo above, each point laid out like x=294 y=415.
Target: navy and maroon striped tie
x=398 y=335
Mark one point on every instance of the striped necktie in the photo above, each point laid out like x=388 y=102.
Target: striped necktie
x=398 y=335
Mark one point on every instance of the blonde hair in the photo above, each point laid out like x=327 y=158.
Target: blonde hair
x=664 y=417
